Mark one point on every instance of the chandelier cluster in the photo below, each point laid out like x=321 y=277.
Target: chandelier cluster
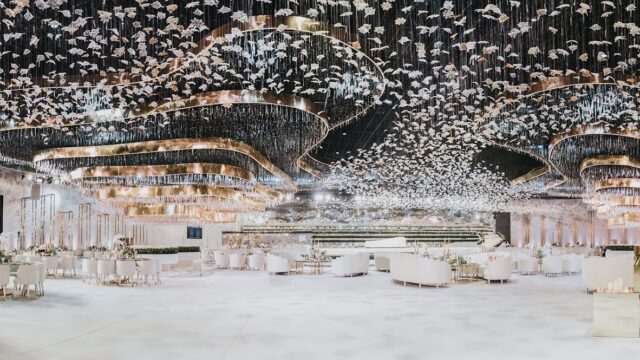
x=173 y=110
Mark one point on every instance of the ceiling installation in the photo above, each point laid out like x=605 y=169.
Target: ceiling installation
x=206 y=109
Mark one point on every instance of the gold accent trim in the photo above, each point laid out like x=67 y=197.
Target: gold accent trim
x=591 y=130
x=626 y=220
x=194 y=212
x=163 y=146
x=161 y=170
x=584 y=78
x=617 y=183
x=614 y=200
x=539 y=171
x=583 y=131
x=609 y=160
x=125 y=192
x=310 y=169
x=197 y=192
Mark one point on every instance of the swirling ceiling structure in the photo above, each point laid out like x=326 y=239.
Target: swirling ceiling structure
x=241 y=94
x=181 y=104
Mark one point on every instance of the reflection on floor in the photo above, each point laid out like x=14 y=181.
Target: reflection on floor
x=251 y=315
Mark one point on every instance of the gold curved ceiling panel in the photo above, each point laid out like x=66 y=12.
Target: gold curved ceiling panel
x=161 y=170
x=163 y=146
x=628 y=183
x=179 y=211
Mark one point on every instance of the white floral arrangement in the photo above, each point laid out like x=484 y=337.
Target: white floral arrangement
x=5 y=242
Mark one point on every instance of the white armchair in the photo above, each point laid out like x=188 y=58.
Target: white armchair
x=5 y=271
x=51 y=265
x=67 y=263
x=90 y=269
x=28 y=275
x=552 y=265
x=415 y=269
x=256 y=261
x=236 y=261
x=277 y=264
x=126 y=270
x=498 y=269
x=148 y=269
x=527 y=265
x=106 y=269
x=221 y=260
x=349 y=265
x=381 y=262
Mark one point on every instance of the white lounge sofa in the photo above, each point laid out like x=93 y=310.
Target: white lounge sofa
x=381 y=261
x=415 y=269
x=571 y=264
x=598 y=272
x=498 y=270
x=277 y=264
x=552 y=265
x=350 y=265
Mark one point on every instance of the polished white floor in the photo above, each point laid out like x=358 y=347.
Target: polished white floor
x=251 y=315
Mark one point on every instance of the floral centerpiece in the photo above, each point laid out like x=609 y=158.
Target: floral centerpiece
x=5 y=257
x=97 y=248
x=121 y=250
x=5 y=242
x=540 y=255
x=46 y=250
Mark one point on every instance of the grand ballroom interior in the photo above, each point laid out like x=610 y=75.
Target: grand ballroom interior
x=319 y=179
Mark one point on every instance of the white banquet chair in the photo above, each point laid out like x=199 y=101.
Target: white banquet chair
x=51 y=265
x=277 y=264
x=236 y=261
x=106 y=269
x=42 y=275
x=527 y=265
x=221 y=260
x=26 y=276
x=256 y=261
x=67 y=263
x=498 y=270
x=20 y=258
x=552 y=265
x=148 y=270
x=206 y=259
x=126 y=269
x=5 y=277
x=90 y=269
